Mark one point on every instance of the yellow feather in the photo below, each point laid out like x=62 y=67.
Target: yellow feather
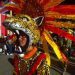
x=46 y=50
x=61 y=24
x=54 y=46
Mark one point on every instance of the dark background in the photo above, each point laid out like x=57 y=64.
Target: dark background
x=68 y=2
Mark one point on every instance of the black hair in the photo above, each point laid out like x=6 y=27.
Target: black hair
x=27 y=43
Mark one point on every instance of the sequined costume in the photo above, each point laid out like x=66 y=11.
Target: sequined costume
x=50 y=13
x=31 y=62
x=36 y=65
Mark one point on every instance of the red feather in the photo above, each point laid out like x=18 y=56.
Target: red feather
x=60 y=32
x=64 y=9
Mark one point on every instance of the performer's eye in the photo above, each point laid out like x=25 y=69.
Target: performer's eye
x=25 y=19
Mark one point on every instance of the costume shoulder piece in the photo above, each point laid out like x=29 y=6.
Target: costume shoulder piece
x=41 y=17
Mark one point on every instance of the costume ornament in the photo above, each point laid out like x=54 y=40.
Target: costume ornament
x=39 y=19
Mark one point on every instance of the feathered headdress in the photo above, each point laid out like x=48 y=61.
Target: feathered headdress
x=55 y=17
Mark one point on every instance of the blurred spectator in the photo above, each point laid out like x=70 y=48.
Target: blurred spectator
x=9 y=46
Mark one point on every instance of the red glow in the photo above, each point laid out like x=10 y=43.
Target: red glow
x=64 y=9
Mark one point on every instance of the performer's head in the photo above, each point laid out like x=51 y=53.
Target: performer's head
x=26 y=29
x=24 y=40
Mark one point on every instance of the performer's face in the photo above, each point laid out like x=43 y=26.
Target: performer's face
x=22 y=40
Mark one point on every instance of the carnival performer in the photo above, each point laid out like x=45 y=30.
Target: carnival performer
x=53 y=23
x=31 y=61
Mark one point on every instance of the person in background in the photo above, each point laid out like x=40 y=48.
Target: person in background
x=9 y=46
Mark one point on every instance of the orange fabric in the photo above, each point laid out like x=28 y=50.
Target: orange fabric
x=30 y=54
